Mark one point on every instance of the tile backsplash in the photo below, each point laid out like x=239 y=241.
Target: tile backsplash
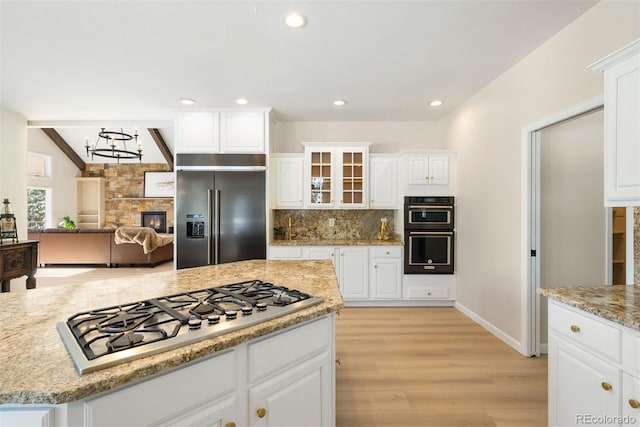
x=349 y=224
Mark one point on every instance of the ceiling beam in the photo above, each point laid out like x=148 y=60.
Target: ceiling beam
x=162 y=146
x=65 y=147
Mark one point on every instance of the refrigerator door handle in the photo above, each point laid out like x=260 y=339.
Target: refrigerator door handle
x=209 y=225
x=216 y=235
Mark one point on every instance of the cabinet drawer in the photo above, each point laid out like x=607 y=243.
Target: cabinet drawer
x=285 y=252
x=177 y=389
x=386 y=251
x=286 y=349
x=597 y=336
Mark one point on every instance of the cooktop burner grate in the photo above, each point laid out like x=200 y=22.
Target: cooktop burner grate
x=109 y=336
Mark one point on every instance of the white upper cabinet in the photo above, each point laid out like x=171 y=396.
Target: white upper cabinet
x=288 y=172
x=383 y=181
x=622 y=125
x=426 y=170
x=242 y=132
x=198 y=133
x=427 y=173
x=336 y=175
x=234 y=131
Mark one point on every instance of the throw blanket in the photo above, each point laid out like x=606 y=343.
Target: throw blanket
x=145 y=236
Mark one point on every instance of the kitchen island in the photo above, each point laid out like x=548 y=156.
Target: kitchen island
x=38 y=373
x=594 y=355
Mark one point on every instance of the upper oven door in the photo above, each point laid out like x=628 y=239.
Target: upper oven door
x=428 y=217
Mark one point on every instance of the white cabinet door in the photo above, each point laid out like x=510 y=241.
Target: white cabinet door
x=386 y=278
x=289 y=176
x=198 y=132
x=297 y=397
x=438 y=170
x=383 y=182
x=630 y=397
x=622 y=124
x=428 y=170
x=242 y=132
x=580 y=385
x=322 y=252
x=352 y=165
x=353 y=272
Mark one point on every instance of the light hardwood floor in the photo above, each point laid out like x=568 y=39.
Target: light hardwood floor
x=432 y=367
x=408 y=367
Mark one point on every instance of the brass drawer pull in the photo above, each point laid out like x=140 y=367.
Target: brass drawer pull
x=606 y=386
x=575 y=329
x=261 y=412
x=634 y=403
x=230 y=424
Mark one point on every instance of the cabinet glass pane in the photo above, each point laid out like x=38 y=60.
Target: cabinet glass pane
x=320 y=177
x=352 y=170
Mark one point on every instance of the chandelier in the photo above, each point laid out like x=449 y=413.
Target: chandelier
x=113 y=145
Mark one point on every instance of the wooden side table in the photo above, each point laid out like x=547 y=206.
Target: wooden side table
x=16 y=260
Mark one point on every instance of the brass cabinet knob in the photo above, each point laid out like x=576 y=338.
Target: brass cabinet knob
x=371 y=200
x=634 y=403
x=375 y=266
x=387 y=252
x=261 y=412
x=230 y=424
x=338 y=362
x=575 y=329
x=606 y=386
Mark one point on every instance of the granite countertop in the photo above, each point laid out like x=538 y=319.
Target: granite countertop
x=36 y=367
x=619 y=304
x=337 y=242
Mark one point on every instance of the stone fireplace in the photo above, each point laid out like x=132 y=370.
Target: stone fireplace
x=154 y=219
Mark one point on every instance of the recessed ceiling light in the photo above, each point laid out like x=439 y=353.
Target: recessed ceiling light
x=435 y=103
x=339 y=102
x=187 y=101
x=242 y=101
x=295 y=20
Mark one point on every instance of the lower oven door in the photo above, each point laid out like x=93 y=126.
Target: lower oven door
x=428 y=252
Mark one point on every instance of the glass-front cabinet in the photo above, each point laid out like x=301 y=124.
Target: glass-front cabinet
x=336 y=175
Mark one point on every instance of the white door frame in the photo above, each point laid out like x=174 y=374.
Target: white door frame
x=530 y=236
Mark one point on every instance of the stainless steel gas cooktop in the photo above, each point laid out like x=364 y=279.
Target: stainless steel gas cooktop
x=109 y=336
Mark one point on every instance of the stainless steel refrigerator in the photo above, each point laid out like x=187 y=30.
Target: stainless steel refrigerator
x=220 y=210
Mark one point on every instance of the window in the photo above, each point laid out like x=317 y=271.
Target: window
x=38 y=165
x=38 y=207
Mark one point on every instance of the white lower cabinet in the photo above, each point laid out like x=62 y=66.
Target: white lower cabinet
x=385 y=268
x=589 y=382
x=373 y=275
x=288 y=374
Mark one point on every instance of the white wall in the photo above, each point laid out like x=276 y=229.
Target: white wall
x=486 y=132
x=387 y=137
x=63 y=173
x=13 y=163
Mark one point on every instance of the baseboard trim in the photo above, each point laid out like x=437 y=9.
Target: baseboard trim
x=497 y=332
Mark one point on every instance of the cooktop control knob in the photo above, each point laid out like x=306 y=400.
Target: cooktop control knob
x=261 y=306
x=231 y=314
x=247 y=310
x=213 y=319
x=195 y=323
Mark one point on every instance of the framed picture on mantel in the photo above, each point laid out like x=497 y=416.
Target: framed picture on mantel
x=159 y=184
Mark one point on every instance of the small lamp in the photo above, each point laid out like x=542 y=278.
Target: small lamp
x=8 y=228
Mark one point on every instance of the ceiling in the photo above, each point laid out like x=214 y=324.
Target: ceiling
x=128 y=63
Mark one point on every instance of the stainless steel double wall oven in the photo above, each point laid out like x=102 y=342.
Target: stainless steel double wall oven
x=428 y=235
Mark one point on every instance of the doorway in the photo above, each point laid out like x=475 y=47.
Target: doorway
x=563 y=206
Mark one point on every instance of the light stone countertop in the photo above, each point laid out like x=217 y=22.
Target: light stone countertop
x=619 y=304
x=36 y=367
x=336 y=242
